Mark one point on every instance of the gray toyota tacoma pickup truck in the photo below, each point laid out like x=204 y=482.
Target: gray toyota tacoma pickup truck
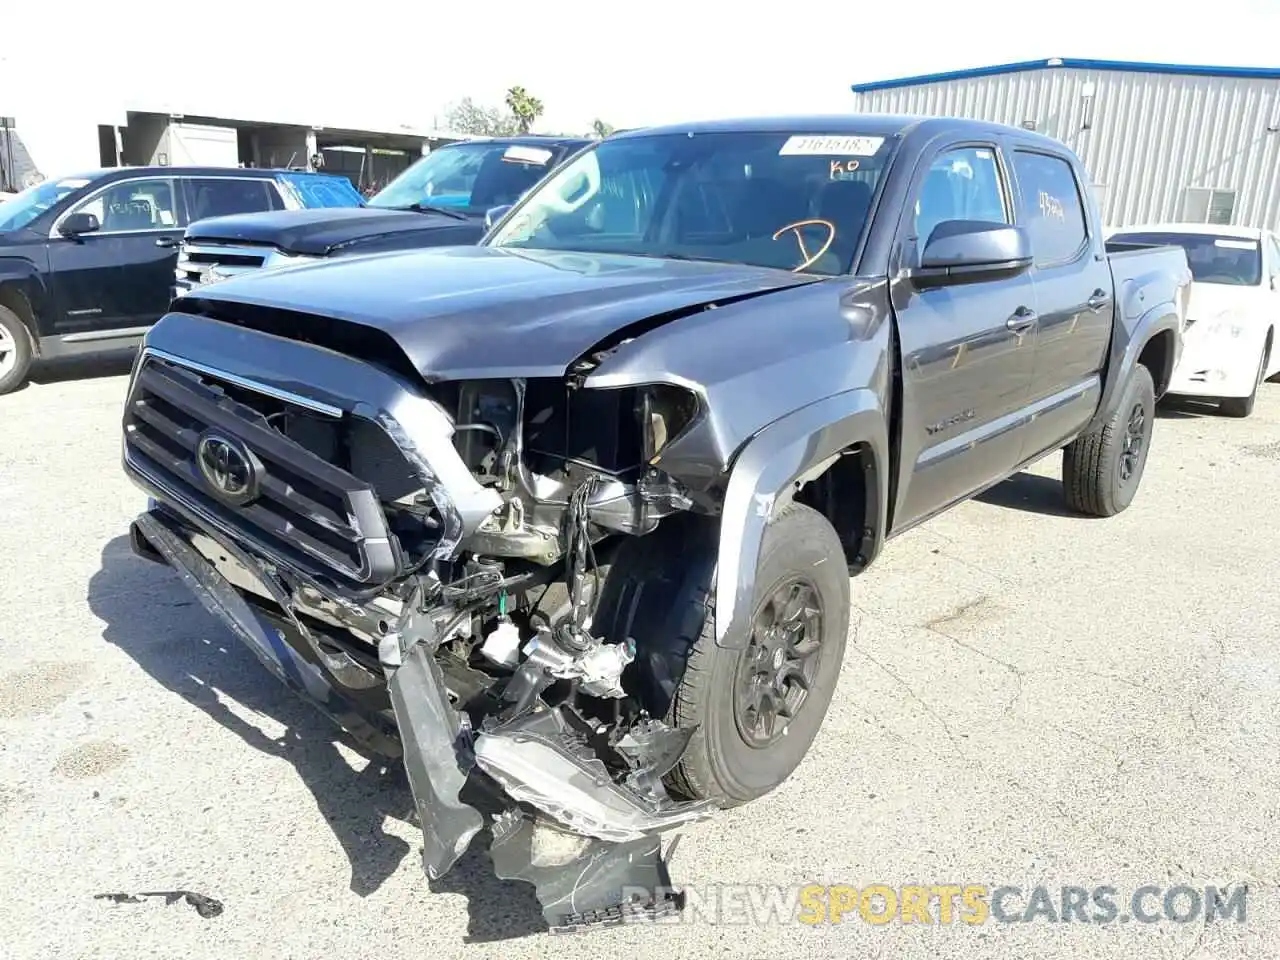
x=566 y=520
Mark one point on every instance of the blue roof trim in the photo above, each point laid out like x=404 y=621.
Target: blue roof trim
x=1125 y=66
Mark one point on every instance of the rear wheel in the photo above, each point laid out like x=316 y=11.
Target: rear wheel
x=1243 y=406
x=1102 y=469
x=15 y=351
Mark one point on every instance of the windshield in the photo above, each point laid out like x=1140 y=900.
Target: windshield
x=17 y=212
x=468 y=177
x=795 y=202
x=315 y=190
x=1213 y=258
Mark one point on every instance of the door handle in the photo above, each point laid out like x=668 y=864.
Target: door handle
x=166 y=241
x=1098 y=301
x=1022 y=318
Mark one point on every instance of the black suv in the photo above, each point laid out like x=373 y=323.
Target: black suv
x=87 y=261
x=444 y=199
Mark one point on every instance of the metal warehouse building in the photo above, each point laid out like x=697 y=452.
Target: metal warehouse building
x=1161 y=141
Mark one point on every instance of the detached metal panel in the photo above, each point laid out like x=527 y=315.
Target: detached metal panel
x=1164 y=145
x=203 y=145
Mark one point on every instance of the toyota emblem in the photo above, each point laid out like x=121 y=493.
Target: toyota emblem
x=228 y=468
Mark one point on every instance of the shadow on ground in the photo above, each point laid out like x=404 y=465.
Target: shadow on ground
x=1029 y=492
x=115 y=364
x=150 y=616
x=1171 y=408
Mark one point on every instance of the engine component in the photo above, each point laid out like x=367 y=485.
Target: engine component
x=599 y=667
x=502 y=645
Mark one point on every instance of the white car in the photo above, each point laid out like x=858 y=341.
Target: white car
x=1229 y=343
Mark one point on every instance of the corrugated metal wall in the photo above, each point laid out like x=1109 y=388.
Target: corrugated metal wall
x=1151 y=136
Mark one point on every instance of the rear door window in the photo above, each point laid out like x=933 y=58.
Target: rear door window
x=224 y=196
x=1051 y=207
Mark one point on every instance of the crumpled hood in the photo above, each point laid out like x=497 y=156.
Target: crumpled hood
x=466 y=312
x=319 y=232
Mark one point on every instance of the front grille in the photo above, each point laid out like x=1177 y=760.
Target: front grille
x=309 y=512
x=197 y=261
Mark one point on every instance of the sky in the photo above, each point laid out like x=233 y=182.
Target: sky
x=630 y=64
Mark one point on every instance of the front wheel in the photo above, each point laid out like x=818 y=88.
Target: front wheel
x=754 y=712
x=1101 y=470
x=15 y=351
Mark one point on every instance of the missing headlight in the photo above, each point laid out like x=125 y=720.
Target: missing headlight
x=665 y=411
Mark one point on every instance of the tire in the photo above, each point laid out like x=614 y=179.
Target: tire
x=1099 y=475
x=681 y=674
x=15 y=351
x=1243 y=406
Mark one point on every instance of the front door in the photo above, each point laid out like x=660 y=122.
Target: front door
x=967 y=349
x=119 y=277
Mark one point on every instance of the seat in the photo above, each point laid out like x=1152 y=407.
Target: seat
x=204 y=205
x=845 y=204
x=767 y=206
x=764 y=207
x=937 y=203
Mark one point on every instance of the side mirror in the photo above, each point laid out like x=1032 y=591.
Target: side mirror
x=79 y=223
x=965 y=251
x=494 y=214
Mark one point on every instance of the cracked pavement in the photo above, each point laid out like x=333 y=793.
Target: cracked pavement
x=1027 y=698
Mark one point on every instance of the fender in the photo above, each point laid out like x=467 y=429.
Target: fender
x=22 y=274
x=1127 y=346
x=763 y=479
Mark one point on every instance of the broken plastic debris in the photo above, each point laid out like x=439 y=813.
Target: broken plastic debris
x=205 y=906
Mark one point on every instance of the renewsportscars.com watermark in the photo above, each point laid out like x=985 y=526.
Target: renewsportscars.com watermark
x=946 y=903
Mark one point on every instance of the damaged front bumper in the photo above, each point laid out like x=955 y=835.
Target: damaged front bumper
x=589 y=844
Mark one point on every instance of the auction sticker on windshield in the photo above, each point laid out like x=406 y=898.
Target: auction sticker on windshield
x=521 y=154
x=820 y=146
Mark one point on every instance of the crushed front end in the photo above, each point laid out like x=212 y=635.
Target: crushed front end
x=424 y=564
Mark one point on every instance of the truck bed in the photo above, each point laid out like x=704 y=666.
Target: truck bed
x=1146 y=264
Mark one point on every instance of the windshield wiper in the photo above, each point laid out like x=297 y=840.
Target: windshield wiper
x=428 y=208
x=695 y=259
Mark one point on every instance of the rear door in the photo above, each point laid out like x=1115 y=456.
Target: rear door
x=966 y=350
x=116 y=281
x=1073 y=296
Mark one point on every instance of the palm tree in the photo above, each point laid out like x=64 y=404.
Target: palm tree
x=524 y=107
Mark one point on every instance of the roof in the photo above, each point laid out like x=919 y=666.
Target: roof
x=183 y=171
x=846 y=124
x=1123 y=66
x=1206 y=229
x=871 y=124
x=530 y=139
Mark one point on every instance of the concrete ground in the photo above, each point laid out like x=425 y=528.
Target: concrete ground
x=1029 y=699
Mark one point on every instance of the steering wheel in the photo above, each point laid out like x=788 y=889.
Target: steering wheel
x=796 y=227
